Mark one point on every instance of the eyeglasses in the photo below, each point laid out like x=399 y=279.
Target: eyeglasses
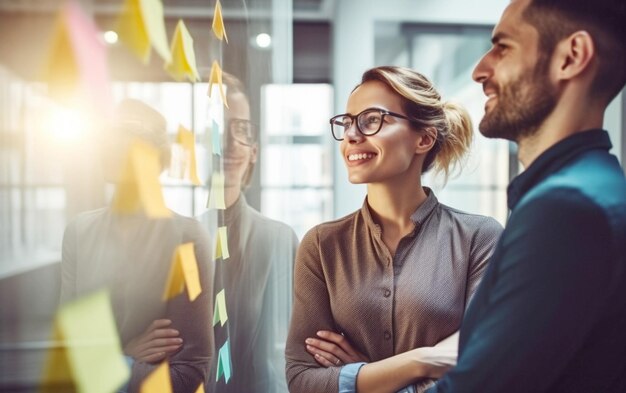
x=368 y=122
x=242 y=130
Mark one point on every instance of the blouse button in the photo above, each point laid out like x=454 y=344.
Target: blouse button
x=387 y=335
x=387 y=293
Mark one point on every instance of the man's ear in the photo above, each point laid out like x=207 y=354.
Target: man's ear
x=573 y=55
x=426 y=140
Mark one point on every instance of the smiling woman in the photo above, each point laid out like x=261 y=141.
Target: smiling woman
x=403 y=259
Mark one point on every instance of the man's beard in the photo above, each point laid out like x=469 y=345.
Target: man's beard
x=521 y=106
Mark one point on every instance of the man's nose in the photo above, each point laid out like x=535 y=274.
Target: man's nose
x=483 y=69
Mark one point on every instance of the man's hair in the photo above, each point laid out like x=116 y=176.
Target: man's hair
x=604 y=20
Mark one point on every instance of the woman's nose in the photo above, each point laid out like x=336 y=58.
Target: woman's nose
x=353 y=135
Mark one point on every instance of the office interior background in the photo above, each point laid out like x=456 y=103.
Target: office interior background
x=298 y=59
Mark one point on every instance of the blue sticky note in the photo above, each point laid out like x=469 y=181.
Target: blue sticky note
x=217 y=147
x=223 y=362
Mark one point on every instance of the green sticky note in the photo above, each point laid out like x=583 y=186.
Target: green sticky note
x=89 y=345
x=219 y=314
x=223 y=362
x=216 y=140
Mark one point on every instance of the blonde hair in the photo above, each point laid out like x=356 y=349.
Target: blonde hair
x=423 y=105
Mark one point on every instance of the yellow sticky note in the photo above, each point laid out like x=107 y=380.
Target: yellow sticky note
x=139 y=185
x=76 y=65
x=183 y=63
x=216 y=194
x=215 y=77
x=141 y=27
x=219 y=314
x=221 y=246
x=183 y=273
x=89 y=355
x=200 y=388
x=187 y=140
x=159 y=380
x=218 y=22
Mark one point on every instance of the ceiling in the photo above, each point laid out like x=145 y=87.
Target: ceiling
x=303 y=10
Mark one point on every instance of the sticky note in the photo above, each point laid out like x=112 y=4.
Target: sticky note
x=187 y=140
x=216 y=194
x=159 y=380
x=200 y=388
x=223 y=362
x=141 y=27
x=219 y=313
x=183 y=63
x=183 y=273
x=76 y=64
x=221 y=246
x=89 y=354
x=218 y=22
x=216 y=139
x=215 y=77
x=139 y=187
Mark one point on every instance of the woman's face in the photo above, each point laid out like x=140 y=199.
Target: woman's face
x=388 y=156
x=238 y=153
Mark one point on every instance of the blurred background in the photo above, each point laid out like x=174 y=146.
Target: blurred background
x=298 y=59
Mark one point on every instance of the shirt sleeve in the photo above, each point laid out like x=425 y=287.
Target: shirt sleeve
x=541 y=296
x=68 y=263
x=483 y=244
x=348 y=376
x=311 y=313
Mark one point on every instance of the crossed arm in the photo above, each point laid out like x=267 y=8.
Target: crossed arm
x=388 y=375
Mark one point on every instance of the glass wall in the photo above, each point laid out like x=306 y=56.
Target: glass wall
x=136 y=188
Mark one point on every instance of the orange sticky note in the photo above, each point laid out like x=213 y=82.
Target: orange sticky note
x=89 y=354
x=218 y=22
x=141 y=27
x=159 y=380
x=76 y=66
x=219 y=313
x=187 y=140
x=216 y=194
x=183 y=63
x=183 y=273
x=215 y=77
x=139 y=187
x=221 y=247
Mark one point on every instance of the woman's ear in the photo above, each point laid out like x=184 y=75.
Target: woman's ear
x=253 y=154
x=426 y=140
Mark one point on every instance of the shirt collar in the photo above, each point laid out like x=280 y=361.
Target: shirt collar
x=233 y=212
x=553 y=159
x=418 y=217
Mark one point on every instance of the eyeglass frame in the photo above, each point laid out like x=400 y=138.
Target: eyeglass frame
x=253 y=129
x=354 y=119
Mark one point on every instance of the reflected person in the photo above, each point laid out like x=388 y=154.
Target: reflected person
x=257 y=275
x=131 y=254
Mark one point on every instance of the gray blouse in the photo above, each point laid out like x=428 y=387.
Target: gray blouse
x=131 y=256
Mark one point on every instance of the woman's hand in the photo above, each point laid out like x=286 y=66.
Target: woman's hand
x=154 y=344
x=331 y=349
